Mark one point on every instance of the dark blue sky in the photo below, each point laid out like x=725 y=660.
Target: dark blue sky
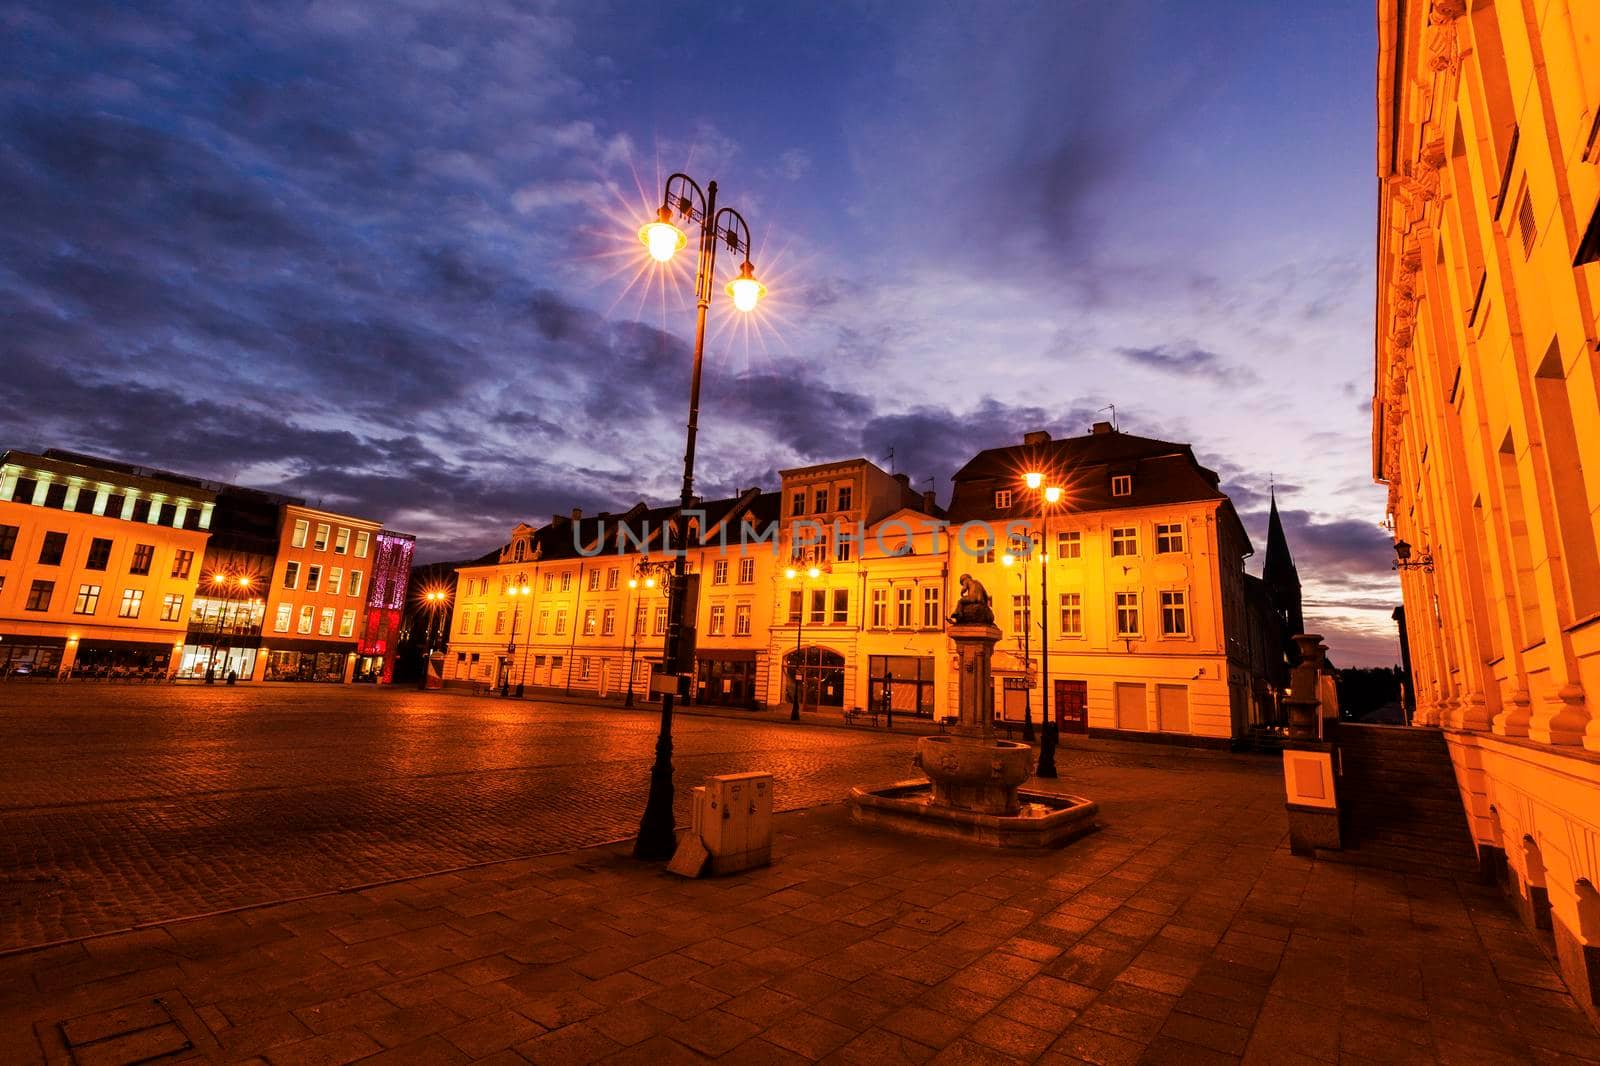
x=382 y=254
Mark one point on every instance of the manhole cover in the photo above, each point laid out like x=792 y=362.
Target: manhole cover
x=159 y=1029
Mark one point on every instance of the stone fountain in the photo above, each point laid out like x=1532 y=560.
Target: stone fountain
x=974 y=788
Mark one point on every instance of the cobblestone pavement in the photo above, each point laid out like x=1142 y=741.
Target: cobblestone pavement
x=1182 y=932
x=121 y=805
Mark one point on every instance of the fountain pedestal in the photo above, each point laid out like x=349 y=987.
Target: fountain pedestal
x=973 y=791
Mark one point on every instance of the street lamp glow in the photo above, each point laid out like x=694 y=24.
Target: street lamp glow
x=244 y=582
x=662 y=238
x=1006 y=559
x=813 y=573
x=745 y=289
x=1033 y=479
x=789 y=573
x=1052 y=494
x=649 y=582
x=633 y=582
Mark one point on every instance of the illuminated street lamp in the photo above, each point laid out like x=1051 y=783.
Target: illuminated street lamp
x=684 y=200
x=1049 y=497
x=792 y=574
x=221 y=585
x=1027 y=643
x=644 y=577
x=514 y=592
x=436 y=599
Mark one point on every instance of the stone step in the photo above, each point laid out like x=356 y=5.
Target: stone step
x=1399 y=860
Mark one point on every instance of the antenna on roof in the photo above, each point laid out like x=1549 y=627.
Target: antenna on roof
x=891 y=460
x=1113 y=409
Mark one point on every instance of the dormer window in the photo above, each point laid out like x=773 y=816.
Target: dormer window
x=1122 y=485
x=1002 y=500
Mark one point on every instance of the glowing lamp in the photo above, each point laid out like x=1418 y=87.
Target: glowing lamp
x=649 y=582
x=1006 y=559
x=789 y=573
x=745 y=289
x=1052 y=494
x=244 y=582
x=1033 y=479
x=661 y=237
x=813 y=573
x=633 y=582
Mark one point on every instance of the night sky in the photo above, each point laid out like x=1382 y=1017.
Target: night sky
x=383 y=255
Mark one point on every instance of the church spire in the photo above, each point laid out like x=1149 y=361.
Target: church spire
x=1279 y=573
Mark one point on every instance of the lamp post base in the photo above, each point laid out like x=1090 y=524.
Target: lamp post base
x=1047 y=750
x=658 y=834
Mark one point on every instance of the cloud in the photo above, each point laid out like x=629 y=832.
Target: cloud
x=1188 y=362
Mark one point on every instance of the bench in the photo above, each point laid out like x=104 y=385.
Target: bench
x=855 y=714
x=1010 y=729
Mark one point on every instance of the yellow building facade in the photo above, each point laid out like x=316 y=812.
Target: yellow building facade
x=316 y=598
x=833 y=593
x=98 y=568
x=1486 y=416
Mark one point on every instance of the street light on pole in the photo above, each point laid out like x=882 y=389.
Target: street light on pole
x=1049 y=496
x=792 y=574
x=1027 y=642
x=516 y=590
x=683 y=200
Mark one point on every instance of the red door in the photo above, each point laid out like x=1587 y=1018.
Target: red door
x=1072 y=706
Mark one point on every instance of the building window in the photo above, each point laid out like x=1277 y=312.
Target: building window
x=819 y=607
x=583 y=668
x=741 y=620
x=747 y=571
x=321 y=543
x=594 y=581
x=8 y=541
x=24 y=489
x=132 y=601
x=171 y=607
x=841 y=551
x=797 y=504
x=182 y=562
x=549 y=582
x=719 y=572
x=286 y=615
x=608 y=622
x=362 y=537
x=39 y=595
x=341 y=541
x=88 y=599
x=325 y=627
x=613 y=578
x=796 y=606
x=902 y=607
x=1527 y=224
x=313 y=577
x=544 y=622
x=660 y=627
x=291 y=574
x=1020 y=546
x=500 y=621
x=986 y=550
x=1122 y=485
x=1127 y=614
x=1124 y=541
x=880 y=608
x=301 y=528
x=844 y=497
x=1169 y=537
x=55 y=495
x=822 y=502
x=308 y=618
x=639 y=613
x=590 y=622
x=355 y=583
x=561 y=622
x=53 y=548
x=1002 y=500
x=477 y=623
x=1069 y=545
x=143 y=556
x=566 y=581
x=718 y=614
x=841 y=606
x=335 y=579
x=100 y=555
x=1072 y=614
x=141 y=510
x=1019 y=614
x=930 y=606
x=347 y=622
x=1174 y=614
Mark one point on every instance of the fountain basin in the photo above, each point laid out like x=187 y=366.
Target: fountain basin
x=975 y=773
x=1042 y=819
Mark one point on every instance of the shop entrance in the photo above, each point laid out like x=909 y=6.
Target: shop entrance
x=819 y=673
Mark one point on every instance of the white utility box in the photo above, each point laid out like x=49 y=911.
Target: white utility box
x=733 y=816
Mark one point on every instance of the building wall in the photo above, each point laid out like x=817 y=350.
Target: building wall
x=1486 y=413
x=142 y=614
x=326 y=619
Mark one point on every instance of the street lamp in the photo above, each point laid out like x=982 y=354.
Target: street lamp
x=644 y=577
x=1027 y=644
x=1049 y=497
x=683 y=198
x=792 y=574
x=515 y=591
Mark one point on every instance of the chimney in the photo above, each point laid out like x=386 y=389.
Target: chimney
x=927 y=502
x=1036 y=437
x=577 y=513
x=1100 y=428
x=904 y=479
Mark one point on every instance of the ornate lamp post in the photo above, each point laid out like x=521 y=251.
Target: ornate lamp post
x=1027 y=643
x=792 y=574
x=644 y=577
x=1049 y=496
x=684 y=199
x=520 y=588
x=221 y=585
